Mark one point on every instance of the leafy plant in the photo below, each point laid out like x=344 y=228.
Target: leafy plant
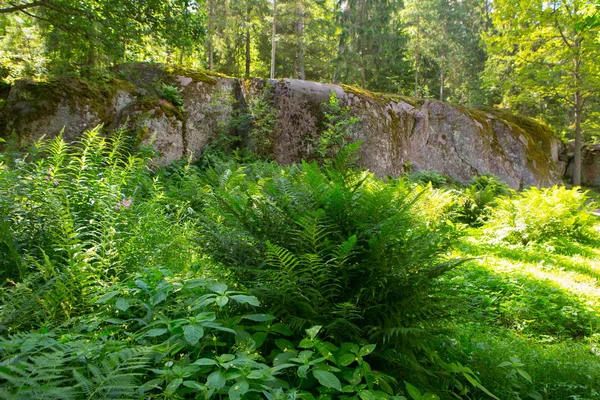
x=336 y=134
x=425 y=177
x=480 y=197
x=263 y=117
x=538 y=215
x=172 y=94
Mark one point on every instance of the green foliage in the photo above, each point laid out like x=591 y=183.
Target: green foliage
x=254 y=280
x=172 y=94
x=425 y=177
x=337 y=133
x=552 y=215
x=76 y=213
x=263 y=116
x=480 y=197
x=322 y=247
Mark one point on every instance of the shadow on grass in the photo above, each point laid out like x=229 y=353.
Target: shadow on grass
x=536 y=255
x=533 y=307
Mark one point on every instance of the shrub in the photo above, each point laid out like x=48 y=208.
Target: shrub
x=172 y=94
x=428 y=177
x=80 y=215
x=325 y=247
x=538 y=215
x=336 y=135
x=263 y=118
x=480 y=197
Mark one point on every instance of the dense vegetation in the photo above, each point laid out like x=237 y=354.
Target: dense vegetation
x=230 y=276
x=239 y=278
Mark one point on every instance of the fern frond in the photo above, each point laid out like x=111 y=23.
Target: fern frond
x=116 y=376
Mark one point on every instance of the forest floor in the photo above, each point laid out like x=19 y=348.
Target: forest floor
x=532 y=310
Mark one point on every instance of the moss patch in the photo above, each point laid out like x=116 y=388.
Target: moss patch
x=195 y=74
x=382 y=98
x=37 y=99
x=159 y=107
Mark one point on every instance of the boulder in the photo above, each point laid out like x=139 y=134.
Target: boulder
x=398 y=133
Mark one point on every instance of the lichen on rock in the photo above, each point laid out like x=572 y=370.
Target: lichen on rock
x=395 y=130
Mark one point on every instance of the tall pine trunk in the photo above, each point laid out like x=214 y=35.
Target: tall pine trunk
x=300 y=42
x=273 y=37
x=210 y=34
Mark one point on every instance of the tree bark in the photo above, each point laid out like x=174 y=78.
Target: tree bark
x=578 y=139
x=248 y=42
x=417 y=57
x=342 y=44
x=300 y=42
x=273 y=37
x=210 y=35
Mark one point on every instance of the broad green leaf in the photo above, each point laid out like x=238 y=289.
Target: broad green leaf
x=535 y=395
x=194 y=283
x=158 y=298
x=259 y=338
x=221 y=301
x=242 y=299
x=346 y=359
x=216 y=380
x=368 y=349
x=367 y=395
x=173 y=385
x=259 y=317
x=205 y=361
x=282 y=329
x=314 y=331
x=327 y=379
x=223 y=358
x=413 y=391
x=373 y=395
x=194 y=385
x=205 y=316
x=303 y=371
x=141 y=284
x=122 y=304
x=524 y=374
x=284 y=345
x=238 y=389
x=156 y=332
x=219 y=288
x=107 y=296
x=193 y=333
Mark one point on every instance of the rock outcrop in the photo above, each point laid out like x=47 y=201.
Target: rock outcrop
x=398 y=133
x=590 y=165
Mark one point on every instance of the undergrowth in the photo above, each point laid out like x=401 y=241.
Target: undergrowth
x=245 y=279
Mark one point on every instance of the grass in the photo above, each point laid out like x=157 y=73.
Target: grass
x=534 y=305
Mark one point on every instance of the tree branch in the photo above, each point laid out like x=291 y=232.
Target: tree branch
x=20 y=7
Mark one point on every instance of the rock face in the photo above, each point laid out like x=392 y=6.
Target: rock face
x=398 y=133
x=590 y=165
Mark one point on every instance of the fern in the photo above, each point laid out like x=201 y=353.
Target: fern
x=116 y=376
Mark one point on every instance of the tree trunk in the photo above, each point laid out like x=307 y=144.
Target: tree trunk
x=342 y=42
x=210 y=34
x=578 y=108
x=273 y=36
x=417 y=57
x=248 y=43
x=578 y=139
x=300 y=42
